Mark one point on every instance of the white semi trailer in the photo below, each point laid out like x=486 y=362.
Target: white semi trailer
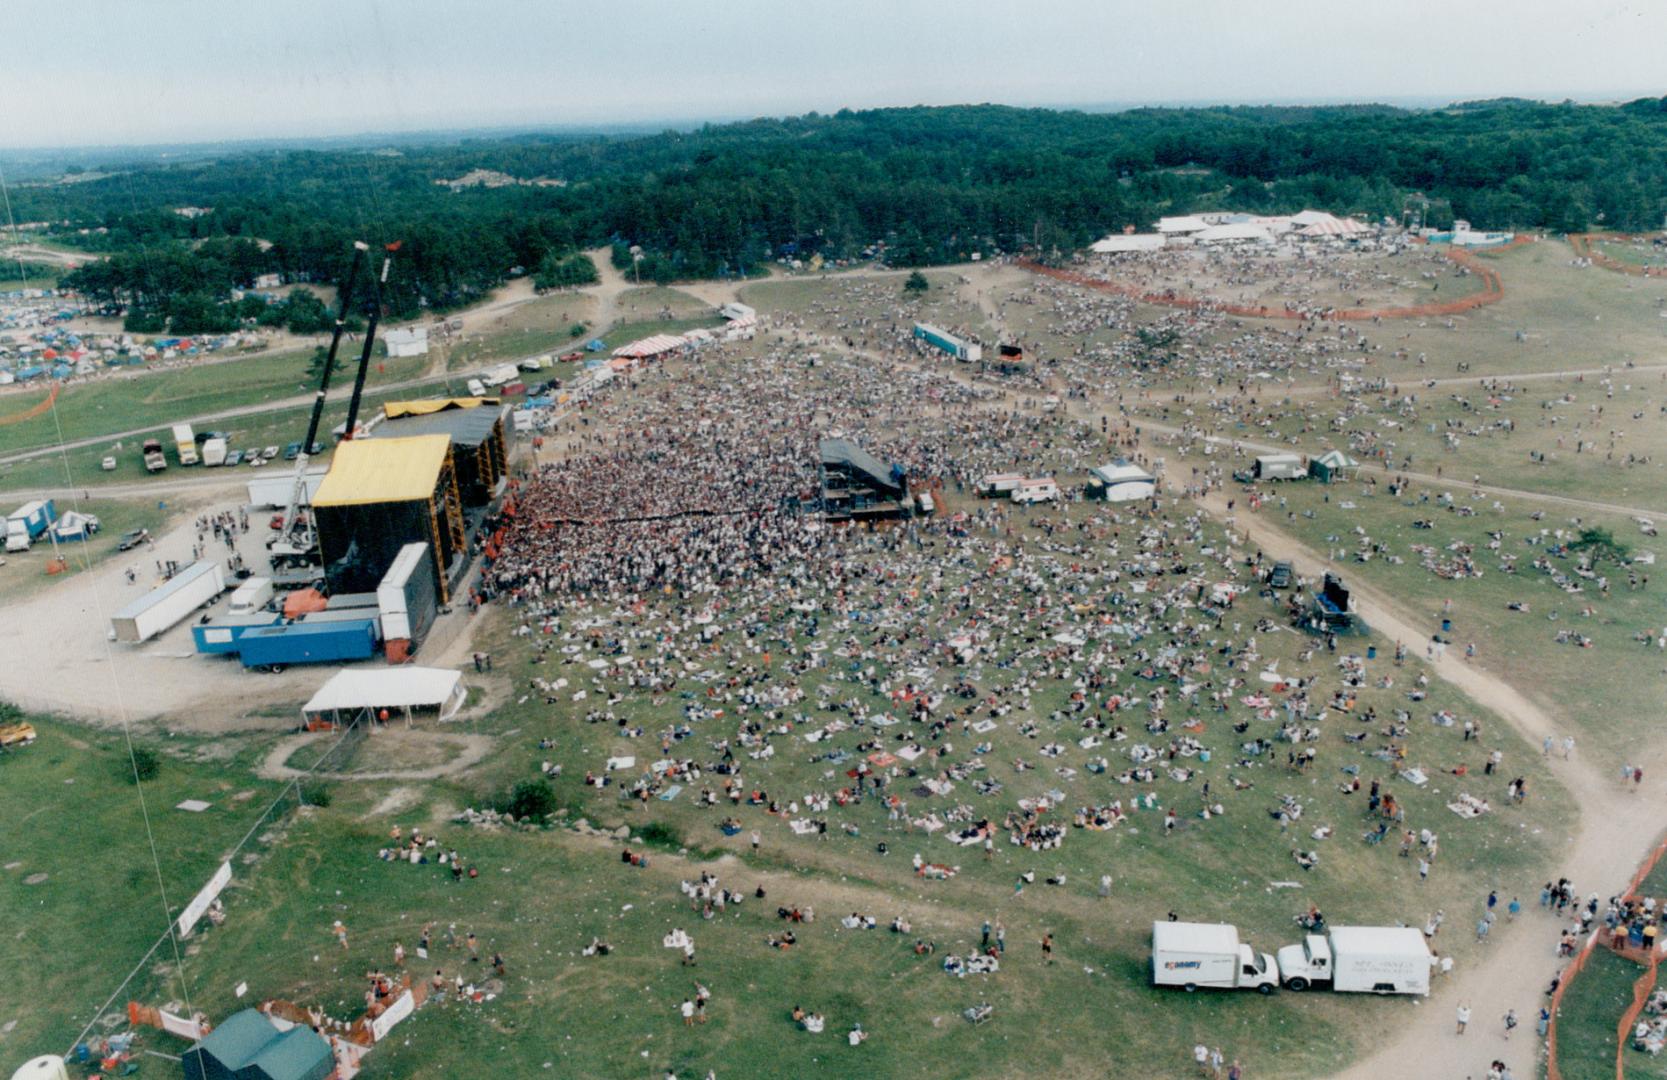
x=197 y=586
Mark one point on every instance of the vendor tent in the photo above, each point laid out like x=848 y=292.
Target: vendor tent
x=1234 y=234
x=353 y=691
x=1331 y=465
x=1123 y=482
x=248 y=1046
x=657 y=345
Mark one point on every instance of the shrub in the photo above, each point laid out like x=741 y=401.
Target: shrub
x=146 y=764
x=659 y=834
x=534 y=799
x=314 y=794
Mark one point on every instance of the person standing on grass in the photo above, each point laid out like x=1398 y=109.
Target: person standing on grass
x=1001 y=938
x=1235 y=1071
x=1215 y=1062
x=1463 y=1017
x=340 y=932
x=688 y=1011
x=1201 y=1056
x=1047 y=948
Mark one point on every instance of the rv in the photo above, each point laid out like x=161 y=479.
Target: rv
x=999 y=484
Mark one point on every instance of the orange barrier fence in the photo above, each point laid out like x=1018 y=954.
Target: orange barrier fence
x=34 y=410
x=1492 y=292
x=1640 y=989
x=1585 y=246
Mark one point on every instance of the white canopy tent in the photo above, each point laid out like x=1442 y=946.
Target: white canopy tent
x=1122 y=244
x=1234 y=234
x=353 y=691
x=1125 y=482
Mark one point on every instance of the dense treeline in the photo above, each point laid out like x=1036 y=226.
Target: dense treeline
x=930 y=185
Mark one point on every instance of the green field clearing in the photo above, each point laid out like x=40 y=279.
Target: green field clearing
x=1606 y=711
x=25 y=571
x=1590 y=1014
x=124 y=402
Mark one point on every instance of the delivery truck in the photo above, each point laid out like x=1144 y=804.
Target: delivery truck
x=251 y=596
x=197 y=586
x=1359 y=959
x=274 y=648
x=1193 y=955
x=185 y=444
x=214 y=452
x=29 y=523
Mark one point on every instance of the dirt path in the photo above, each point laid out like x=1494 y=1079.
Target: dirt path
x=471 y=749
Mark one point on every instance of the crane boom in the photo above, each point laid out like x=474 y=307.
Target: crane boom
x=370 y=337
x=298 y=540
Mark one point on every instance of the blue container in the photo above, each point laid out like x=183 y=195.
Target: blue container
x=1204 y=756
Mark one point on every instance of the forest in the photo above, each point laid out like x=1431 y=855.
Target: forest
x=910 y=187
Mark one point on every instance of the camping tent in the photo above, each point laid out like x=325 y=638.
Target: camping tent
x=1331 y=465
x=248 y=1046
x=352 y=691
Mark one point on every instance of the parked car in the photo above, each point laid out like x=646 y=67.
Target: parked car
x=108 y=464
x=270 y=452
x=234 y=458
x=254 y=461
x=572 y=357
x=132 y=538
x=1280 y=576
x=292 y=451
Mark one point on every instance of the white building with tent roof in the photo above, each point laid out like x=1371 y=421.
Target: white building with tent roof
x=353 y=692
x=1124 y=243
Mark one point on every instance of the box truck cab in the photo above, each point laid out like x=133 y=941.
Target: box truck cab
x=1359 y=959
x=185 y=444
x=251 y=596
x=1193 y=955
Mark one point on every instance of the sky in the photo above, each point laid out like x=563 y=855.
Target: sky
x=103 y=72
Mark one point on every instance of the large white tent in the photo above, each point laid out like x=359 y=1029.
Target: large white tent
x=1124 y=481
x=1234 y=234
x=353 y=690
x=1122 y=243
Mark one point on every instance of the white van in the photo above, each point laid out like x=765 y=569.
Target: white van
x=476 y=389
x=1035 y=491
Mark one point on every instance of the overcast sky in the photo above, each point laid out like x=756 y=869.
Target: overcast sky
x=79 y=72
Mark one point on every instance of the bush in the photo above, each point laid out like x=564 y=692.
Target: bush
x=534 y=799
x=659 y=834
x=146 y=764
x=315 y=794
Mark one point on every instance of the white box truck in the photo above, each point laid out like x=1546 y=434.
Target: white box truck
x=1359 y=959
x=185 y=444
x=1035 y=491
x=1193 y=955
x=251 y=596
x=214 y=452
x=197 y=586
x=1000 y=484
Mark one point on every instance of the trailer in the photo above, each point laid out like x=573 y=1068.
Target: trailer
x=1193 y=955
x=406 y=599
x=29 y=523
x=944 y=341
x=214 y=452
x=185 y=444
x=197 y=586
x=274 y=648
x=274 y=491
x=1359 y=959
x=997 y=485
x=224 y=635
x=498 y=376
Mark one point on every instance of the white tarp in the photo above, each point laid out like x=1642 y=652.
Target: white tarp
x=351 y=689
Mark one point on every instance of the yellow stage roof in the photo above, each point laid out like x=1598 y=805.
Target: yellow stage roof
x=383 y=470
x=396 y=409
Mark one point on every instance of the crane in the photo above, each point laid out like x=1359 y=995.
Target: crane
x=298 y=539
